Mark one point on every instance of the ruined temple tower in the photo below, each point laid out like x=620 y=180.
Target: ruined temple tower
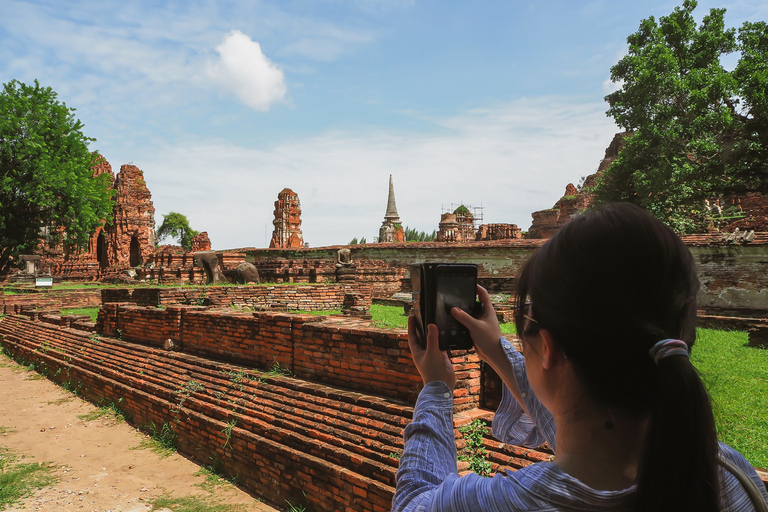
x=130 y=238
x=391 y=229
x=287 y=232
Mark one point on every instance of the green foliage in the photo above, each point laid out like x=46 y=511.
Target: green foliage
x=736 y=377
x=46 y=180
x=474 y=452
x=699 y=131
x=413 y=235
x=355 y=241
x=278 y=371
x=295 y=508
x=176 y=226
x=461 y=210
x=19 y=480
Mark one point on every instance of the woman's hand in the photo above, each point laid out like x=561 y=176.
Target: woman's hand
x=432 y=363
x=485 y=330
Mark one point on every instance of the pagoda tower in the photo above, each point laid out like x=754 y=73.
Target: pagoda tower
x=391 y=229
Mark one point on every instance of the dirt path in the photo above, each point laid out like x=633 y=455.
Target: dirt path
x=99 y=463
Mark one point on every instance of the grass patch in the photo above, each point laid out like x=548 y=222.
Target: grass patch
x=737 y=379
x=214 y=477
x=93 y=312
x=112 y=410
x=193 y=504
x=508 y=328
x=19 y=480
x=388 y=317
x=322 y=312
x=162 y=440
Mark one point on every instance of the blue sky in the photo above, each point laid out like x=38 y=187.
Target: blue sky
x=224 y=104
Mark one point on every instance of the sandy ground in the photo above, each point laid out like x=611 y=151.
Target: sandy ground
x=98 y=463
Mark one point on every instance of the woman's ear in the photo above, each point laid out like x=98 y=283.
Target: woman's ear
x=551 y=354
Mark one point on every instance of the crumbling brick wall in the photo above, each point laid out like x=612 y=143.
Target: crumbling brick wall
x=311 y=297
x=49 y=300
x=368 y=360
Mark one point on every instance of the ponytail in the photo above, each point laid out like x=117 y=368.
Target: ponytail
x=678 y=465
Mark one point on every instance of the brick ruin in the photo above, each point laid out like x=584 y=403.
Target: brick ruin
x=456 y=226
x=287 y=232
x=391 y=229
x=545 y=222
x=127 y=241
x=200 y=242
x=487 y=232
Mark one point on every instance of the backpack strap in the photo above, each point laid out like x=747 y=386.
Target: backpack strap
x=747 y=483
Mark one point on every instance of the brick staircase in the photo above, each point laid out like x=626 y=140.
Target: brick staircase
x=314 y=445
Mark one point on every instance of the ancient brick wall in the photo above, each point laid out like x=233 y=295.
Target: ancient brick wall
x=734 y=279
x=311 y=297
x=260 y=340
x=49 y=300
x=368 y=360
x=200 y=242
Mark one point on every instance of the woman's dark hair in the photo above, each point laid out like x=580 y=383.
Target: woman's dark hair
x=608 y=286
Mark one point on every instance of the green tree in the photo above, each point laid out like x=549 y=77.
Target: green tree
x=698 y=130
x=176 y=226
x=413 y=235
x=46 y=180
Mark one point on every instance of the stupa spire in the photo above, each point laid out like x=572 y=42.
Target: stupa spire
x=391 y=214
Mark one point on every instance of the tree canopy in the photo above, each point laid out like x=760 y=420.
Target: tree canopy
x=699 y=131
x=46 y=180
x=176 y=226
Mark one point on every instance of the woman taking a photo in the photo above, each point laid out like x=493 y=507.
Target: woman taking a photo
x=606 y=317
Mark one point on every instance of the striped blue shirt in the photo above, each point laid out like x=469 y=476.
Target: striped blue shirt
x=428 y=479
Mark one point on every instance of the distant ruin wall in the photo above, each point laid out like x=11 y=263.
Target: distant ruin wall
x=734 y=279
x=49 y=300
x=368 y=360
x=734 y=276
x=310 y=297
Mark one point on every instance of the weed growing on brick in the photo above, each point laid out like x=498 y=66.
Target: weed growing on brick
x=163 y=440
x=228 y=432
x=278 y=371
x=475 y=453
x=191 y=386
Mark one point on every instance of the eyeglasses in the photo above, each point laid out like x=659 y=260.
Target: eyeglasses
x=526 y=308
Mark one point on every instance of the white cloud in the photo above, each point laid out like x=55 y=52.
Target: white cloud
x=246 y=71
